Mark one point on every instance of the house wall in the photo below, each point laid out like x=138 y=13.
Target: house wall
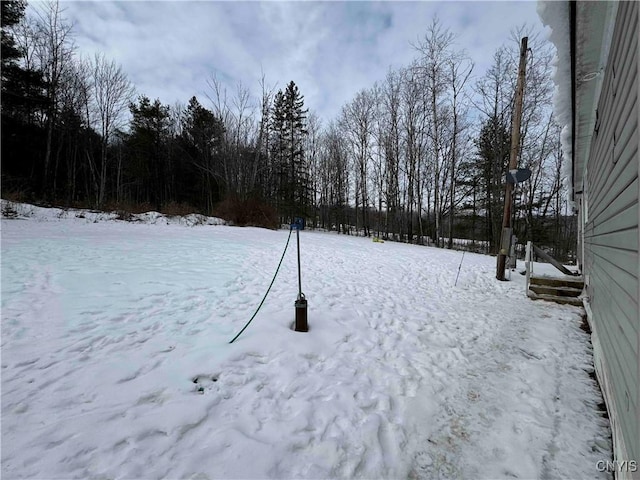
x=611 y=236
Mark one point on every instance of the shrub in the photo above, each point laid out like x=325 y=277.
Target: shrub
x=177 y=209
x=9 y=210
x=252 y=212
x=123 y=215
x=127 y=207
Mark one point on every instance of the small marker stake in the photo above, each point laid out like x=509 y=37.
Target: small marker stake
x=301 y=315
x=459 y=267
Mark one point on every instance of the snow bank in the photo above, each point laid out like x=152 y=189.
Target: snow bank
x=22 y=210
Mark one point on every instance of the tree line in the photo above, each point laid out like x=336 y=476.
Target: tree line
x=418 y=157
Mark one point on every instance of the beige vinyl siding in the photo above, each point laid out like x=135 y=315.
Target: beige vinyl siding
x=611 y=229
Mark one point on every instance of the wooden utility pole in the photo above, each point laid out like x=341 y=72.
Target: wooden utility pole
x=513 y=163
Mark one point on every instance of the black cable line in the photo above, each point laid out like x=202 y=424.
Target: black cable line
x=268 y=289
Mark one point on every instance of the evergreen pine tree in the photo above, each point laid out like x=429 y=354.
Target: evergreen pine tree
x=148 y=153
x=201 y=138
x=278 y=162
x=493 y=147
x=288 y=124
x=22 y=97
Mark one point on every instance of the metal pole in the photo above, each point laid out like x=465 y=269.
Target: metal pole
x=301 y=324
x=299 y=274
x=513 y=158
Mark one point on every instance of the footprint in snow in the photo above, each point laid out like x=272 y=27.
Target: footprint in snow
x=204 y=382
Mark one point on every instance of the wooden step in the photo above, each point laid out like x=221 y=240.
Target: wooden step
x=576 y=282
x=553 y=298
x=558 y=291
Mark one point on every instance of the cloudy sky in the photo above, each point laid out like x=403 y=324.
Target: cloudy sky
x=330 y=49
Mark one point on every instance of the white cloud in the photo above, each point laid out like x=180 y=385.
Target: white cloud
x=330 y=49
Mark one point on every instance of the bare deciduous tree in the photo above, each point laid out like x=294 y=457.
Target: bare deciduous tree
x=461 y=68
x=435 y=54
x=112 y=94
x=357 y=123
x=53 y=50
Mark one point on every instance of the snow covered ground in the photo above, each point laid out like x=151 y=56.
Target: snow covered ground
x=116 y=361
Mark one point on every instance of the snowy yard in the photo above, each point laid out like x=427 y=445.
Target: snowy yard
x=116 y=362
